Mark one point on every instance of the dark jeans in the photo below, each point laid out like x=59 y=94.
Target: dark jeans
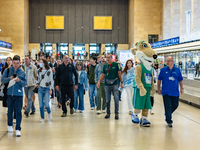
x=171 y=104
x=108 y=90
x=15 y=104
x=69 y=91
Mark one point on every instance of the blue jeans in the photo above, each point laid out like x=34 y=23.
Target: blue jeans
x=93 y=95
x=115 y=91
x=43 y=95
x=171 y=104
x=29 y=94
x=15 y=103
x=79 y=93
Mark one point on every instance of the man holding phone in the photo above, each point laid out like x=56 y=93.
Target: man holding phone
x=15 y=94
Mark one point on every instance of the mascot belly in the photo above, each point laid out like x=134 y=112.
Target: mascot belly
x=143 y=83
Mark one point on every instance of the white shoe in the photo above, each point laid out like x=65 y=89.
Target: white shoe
x=42 y=120
x=18 y=133
x=81 y=111
x=151 y=112
x=92 y=108
x=104 y=111
x=50 y=117
x=10 y=129
x=98 y=112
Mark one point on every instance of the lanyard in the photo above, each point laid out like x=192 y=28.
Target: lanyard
x=108 y=69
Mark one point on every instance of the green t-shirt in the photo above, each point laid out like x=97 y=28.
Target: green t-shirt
x=113 y=72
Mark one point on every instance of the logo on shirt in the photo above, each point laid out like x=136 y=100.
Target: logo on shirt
x=166 y=72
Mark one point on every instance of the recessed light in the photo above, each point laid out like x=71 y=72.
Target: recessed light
x=0 y=29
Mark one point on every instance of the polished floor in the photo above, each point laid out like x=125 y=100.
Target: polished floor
x=90 y=131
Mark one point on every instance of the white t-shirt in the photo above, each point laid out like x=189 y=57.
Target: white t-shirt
x=79 y=73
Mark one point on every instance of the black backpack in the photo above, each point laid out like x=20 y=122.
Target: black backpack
x=3 y=89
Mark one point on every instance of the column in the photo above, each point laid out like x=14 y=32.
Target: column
x=87 y=50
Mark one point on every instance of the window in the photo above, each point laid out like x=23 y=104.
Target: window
x=63 y=48
x=94 y=48
x=48 y=48
x=152 y=38
x=78 y=47
x=110 y=48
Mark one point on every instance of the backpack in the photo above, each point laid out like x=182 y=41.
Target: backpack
x=3 y=89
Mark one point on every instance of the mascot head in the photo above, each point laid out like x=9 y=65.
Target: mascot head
x=144 y=53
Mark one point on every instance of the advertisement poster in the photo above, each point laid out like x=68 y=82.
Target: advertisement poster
x=124 y=55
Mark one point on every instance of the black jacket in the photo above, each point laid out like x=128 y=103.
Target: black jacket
x=64 y=75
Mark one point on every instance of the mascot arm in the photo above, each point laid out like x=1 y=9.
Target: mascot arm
x=138 y=74
x=152 y=91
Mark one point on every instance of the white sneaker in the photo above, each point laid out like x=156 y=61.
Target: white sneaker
x=151 y=112
x=81 y=111
x=104 y=111
x=10 y=129
x=42 y=120
x=50 y=117
x=18 y=133
x=98 y=112
x=92 y=108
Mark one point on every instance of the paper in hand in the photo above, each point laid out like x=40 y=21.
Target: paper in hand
x=12 y=82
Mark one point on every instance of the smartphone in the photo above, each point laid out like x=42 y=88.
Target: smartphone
x=14 y=75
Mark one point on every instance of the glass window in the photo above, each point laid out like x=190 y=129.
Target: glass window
x=48 y=48
x=63 y=48
x=152 y=38
x=78 y=48
x=94 y=48
x=110 y=48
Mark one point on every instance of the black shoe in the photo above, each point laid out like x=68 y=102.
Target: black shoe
x=32 y=113
x=116 y=116
x=71 y=110
x=26 y=114
x=64 y=115
x=107 y=116
x=169 y=125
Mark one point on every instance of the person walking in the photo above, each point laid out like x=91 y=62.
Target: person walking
x=100 y=90
x=170 y=76
x=58 y=93
x=64 y=79
x=15 y=93
x=31 y=75
x=82 y=87
x=92 y=84
x=45 y=86
x=128 y=75
x=112 y=73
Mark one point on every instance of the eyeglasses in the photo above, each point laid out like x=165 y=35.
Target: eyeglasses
x=78 y=64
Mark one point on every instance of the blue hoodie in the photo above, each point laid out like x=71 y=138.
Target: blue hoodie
x=16 y=89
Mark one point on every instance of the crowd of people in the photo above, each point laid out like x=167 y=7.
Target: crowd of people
x=68 y=80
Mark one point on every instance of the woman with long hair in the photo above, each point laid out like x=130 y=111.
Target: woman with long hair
x=82 y=86
x=45 y=84
x=8 y=64
x=128 y=75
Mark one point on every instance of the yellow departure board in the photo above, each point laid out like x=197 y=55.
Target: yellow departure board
x=55 y=22
x=102 y=22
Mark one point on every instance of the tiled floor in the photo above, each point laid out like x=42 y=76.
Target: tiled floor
x=90 y=131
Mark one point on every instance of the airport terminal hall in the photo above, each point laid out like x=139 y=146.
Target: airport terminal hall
x=100 y=74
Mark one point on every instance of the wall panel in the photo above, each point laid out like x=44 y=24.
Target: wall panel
x=78 y=14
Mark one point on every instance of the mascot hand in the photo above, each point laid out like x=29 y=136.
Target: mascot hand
x=143 y=91
x=152 y=92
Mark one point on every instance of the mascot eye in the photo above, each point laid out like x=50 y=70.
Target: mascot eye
x=144 y=45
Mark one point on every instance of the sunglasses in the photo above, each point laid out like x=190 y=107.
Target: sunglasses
x=78 y=64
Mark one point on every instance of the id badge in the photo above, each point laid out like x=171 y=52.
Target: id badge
x=148 y=78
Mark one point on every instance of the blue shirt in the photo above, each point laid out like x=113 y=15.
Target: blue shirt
x=170 y=80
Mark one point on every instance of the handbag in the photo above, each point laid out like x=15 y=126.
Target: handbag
x=35 y=90
x=111 y=81
x=3 y=89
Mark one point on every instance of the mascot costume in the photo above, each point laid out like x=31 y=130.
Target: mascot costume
x=143 y=83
